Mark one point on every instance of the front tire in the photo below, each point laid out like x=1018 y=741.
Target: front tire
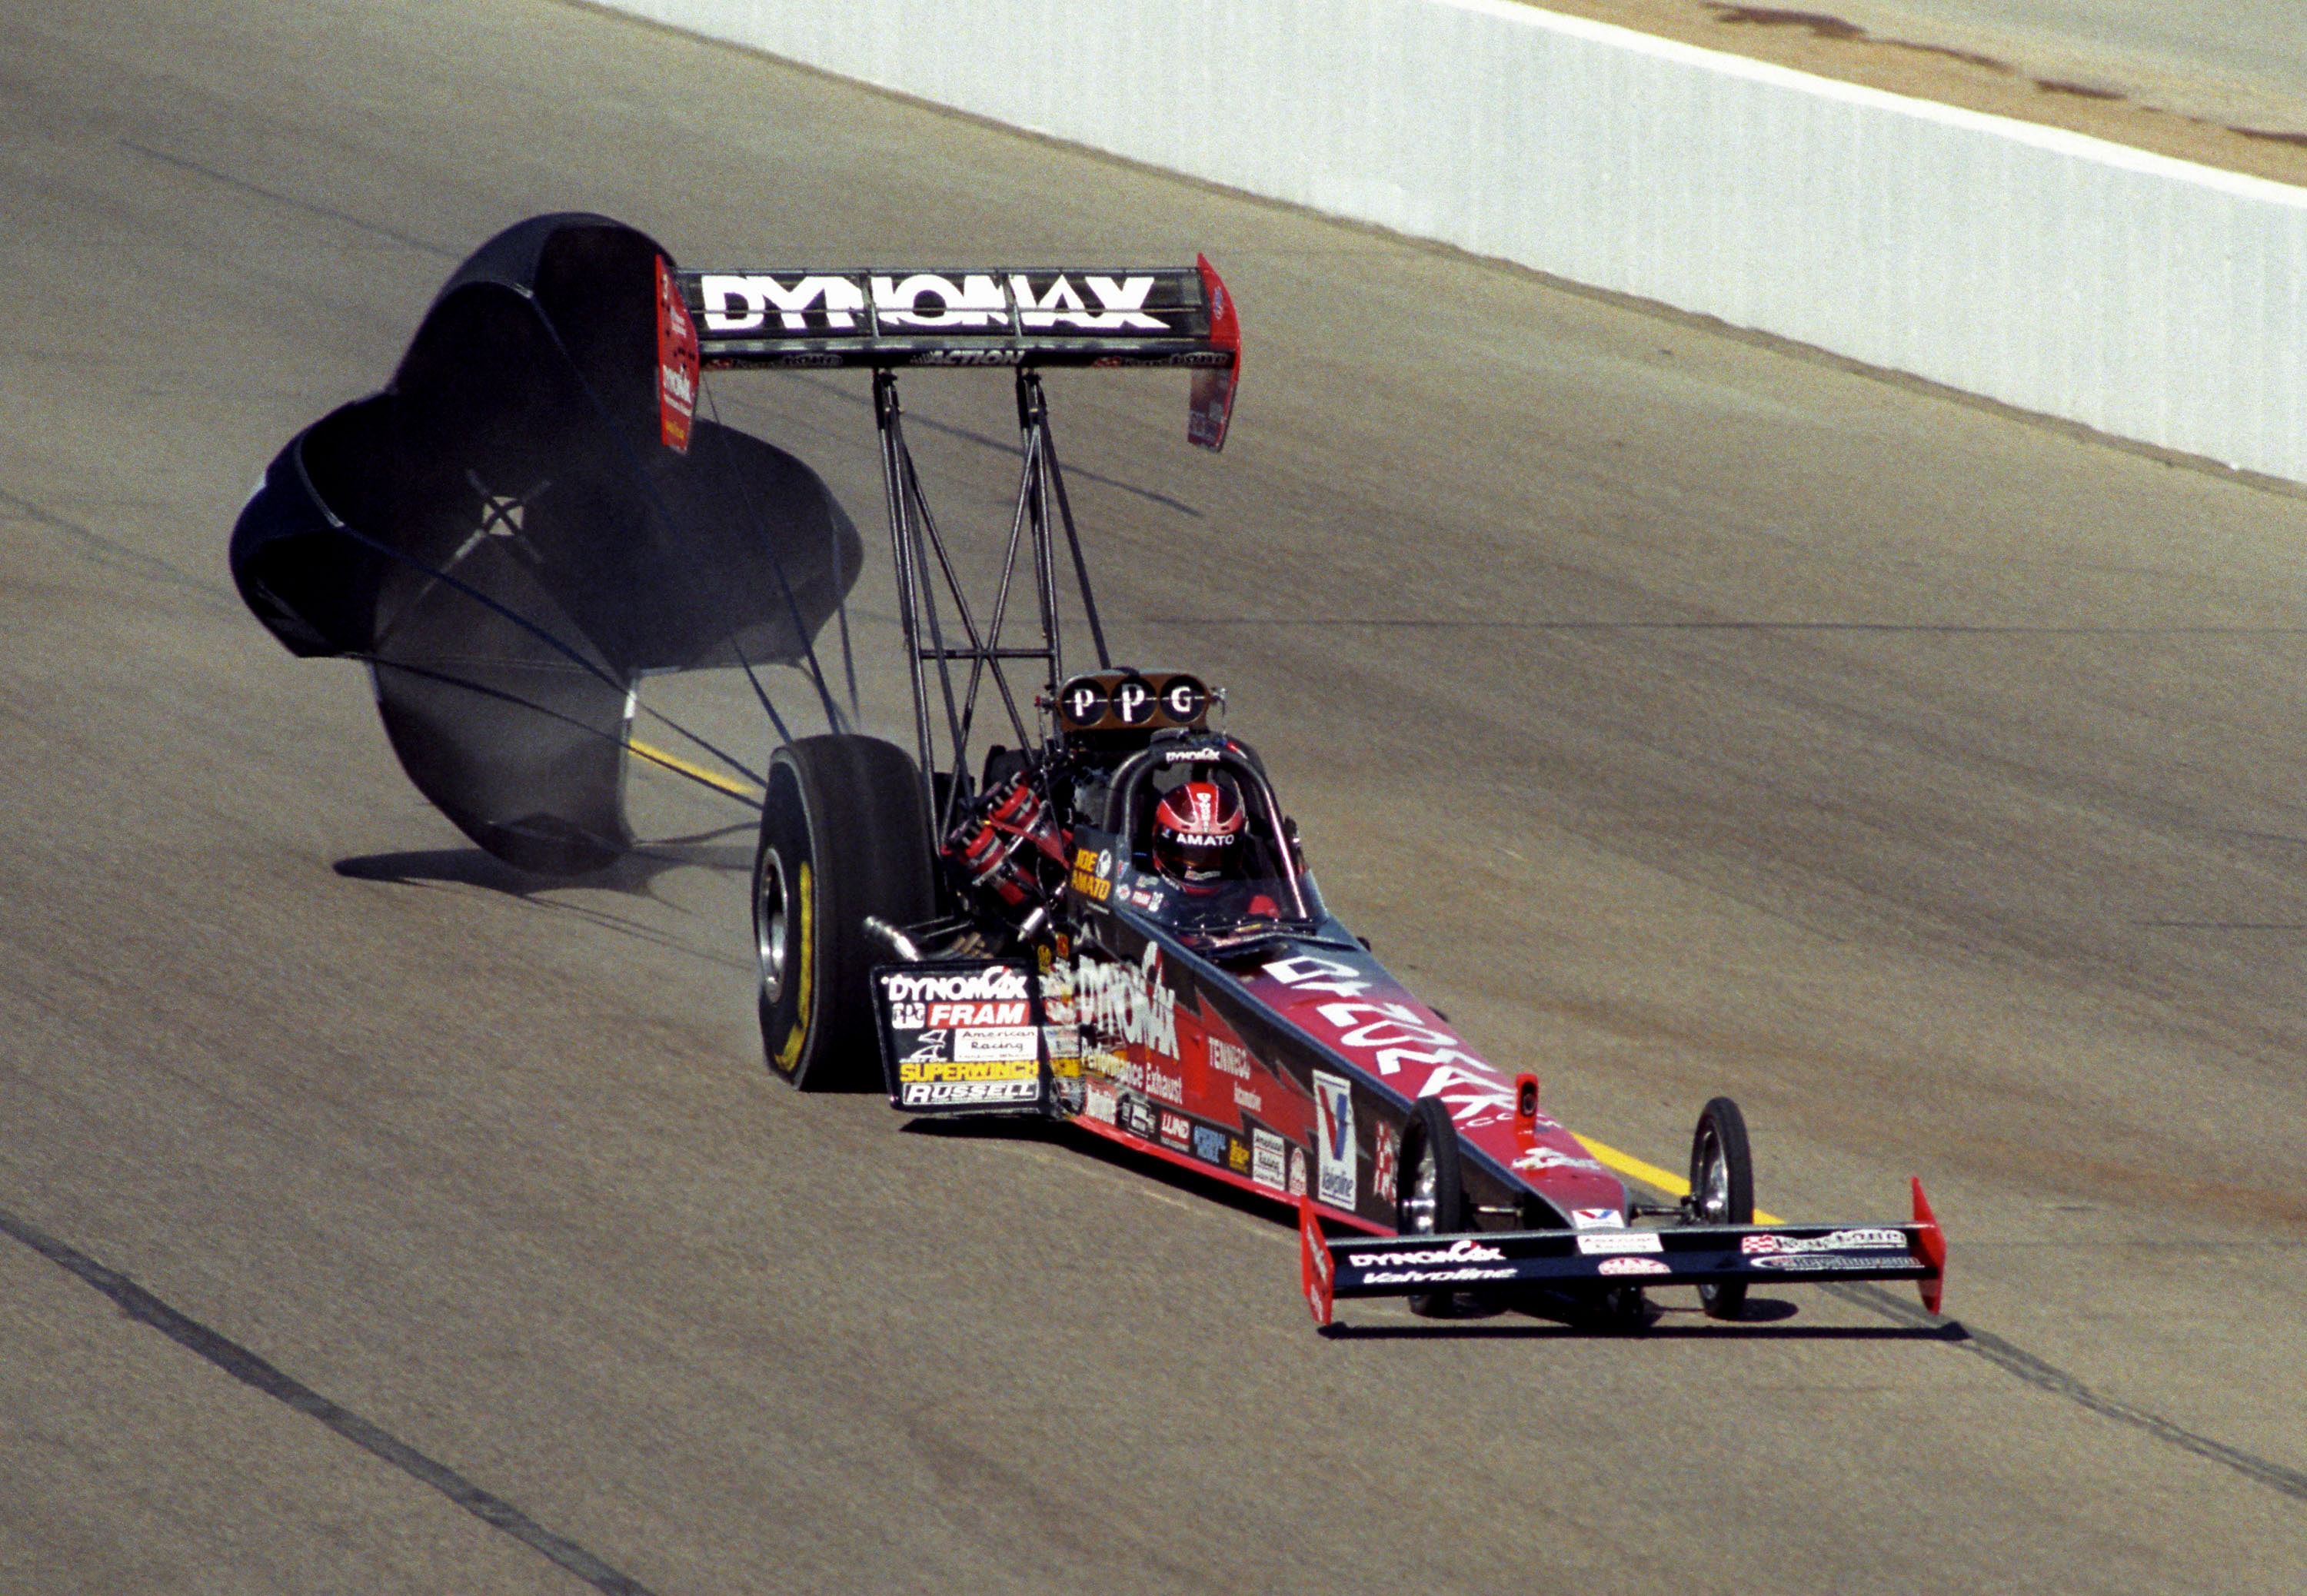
x=844 y=834
x=1432 y=1201
x=1721 y=1191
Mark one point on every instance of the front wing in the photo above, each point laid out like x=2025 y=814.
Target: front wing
x=1599 y=1259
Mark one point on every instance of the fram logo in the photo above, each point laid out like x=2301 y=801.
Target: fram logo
x=1334 y=1152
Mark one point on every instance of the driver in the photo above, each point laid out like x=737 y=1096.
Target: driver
x=1198 y=836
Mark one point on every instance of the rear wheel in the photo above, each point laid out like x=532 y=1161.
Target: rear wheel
x=1721 y=1191
x=844 y=835
x=1433 y=1193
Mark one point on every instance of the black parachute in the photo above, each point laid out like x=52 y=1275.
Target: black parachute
x=511 y=534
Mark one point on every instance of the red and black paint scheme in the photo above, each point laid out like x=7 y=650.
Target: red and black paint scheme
x=1242 y=1032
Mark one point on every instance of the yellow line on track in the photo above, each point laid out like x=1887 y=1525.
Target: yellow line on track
x=714 y=779
x=1651 y=1175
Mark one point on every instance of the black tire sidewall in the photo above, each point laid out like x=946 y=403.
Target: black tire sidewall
x=790 y=1018
x=1429 y=1126
x=849 y=811
x=1722 y=1116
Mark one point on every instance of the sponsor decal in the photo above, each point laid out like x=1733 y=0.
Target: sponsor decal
x=909 y=1017
x=1833 y=1242
x=1297 y=1170
x=1133 y=700
x=996 y=983
x=1801 y=1261
x=1190 y=755
x=1334 y=1149
x=1595 y=1243
x=1634 y=1266
x=1539 y=1159
x=1237 y=1155
x=677 y=367
x=1170 y=1087
x=1053 y=302
x=1098 y=1100
x=1465 y=1249
x=969 y=1014
x=1131 y=1001
x=1090 y=887
x=1597 y=1219
x=1385 y=1165
x=1306 y=972
x=929 y=1048
x=934 y=304
x=945 y=1094
x=1084 y=702
x=773 y=303
x=998 y=1069
x=1009 y=1042
x=1227 y=1059
x=734 y=303
x=1244 y=1098
x=1176 y=1128
x=1397 y=1037
x=968 y=357
x=1209 y=1144
x=1265 y=1162
x=1137 y=1117
x=1184 y=699
x=1064 y=1044
x=1432 y=1277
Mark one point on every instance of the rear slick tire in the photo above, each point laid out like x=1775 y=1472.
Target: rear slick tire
x=1721 y=1191
x=844 y=835
x=1433 y=1194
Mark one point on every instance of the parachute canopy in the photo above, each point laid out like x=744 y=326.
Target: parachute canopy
x=528 y=519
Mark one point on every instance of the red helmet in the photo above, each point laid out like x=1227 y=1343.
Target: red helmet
x=1197 y=834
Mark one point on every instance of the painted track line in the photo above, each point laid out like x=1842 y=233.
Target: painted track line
x=253 y=1371
x=695 y=773
x=1651 y=1175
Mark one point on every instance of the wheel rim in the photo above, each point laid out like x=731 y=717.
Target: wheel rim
x=1421 y=1206
x=770 y=920
x=1713 y=1181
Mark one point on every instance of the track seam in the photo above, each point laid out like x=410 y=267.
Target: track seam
x=2015 y=1359
x=253 y=1371
x=2008 y=1356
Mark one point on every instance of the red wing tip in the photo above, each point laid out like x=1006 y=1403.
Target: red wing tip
x=1933 y=1241
x=1313 y=1262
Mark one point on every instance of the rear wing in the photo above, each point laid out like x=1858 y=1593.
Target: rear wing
x=885 y=317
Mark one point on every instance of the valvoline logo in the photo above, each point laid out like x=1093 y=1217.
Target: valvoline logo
x=1335 y=1151
x=1335 y=1123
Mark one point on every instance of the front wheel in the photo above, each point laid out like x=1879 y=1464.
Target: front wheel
x=1433 y=1194
x=844 y=834
x=1721 y=1191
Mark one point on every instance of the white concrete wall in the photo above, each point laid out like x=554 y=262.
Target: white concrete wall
x=2155 y=299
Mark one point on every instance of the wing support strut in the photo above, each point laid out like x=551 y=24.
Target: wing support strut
x=924 y=568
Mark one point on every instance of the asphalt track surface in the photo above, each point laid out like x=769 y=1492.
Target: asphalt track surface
x=1682 y=713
